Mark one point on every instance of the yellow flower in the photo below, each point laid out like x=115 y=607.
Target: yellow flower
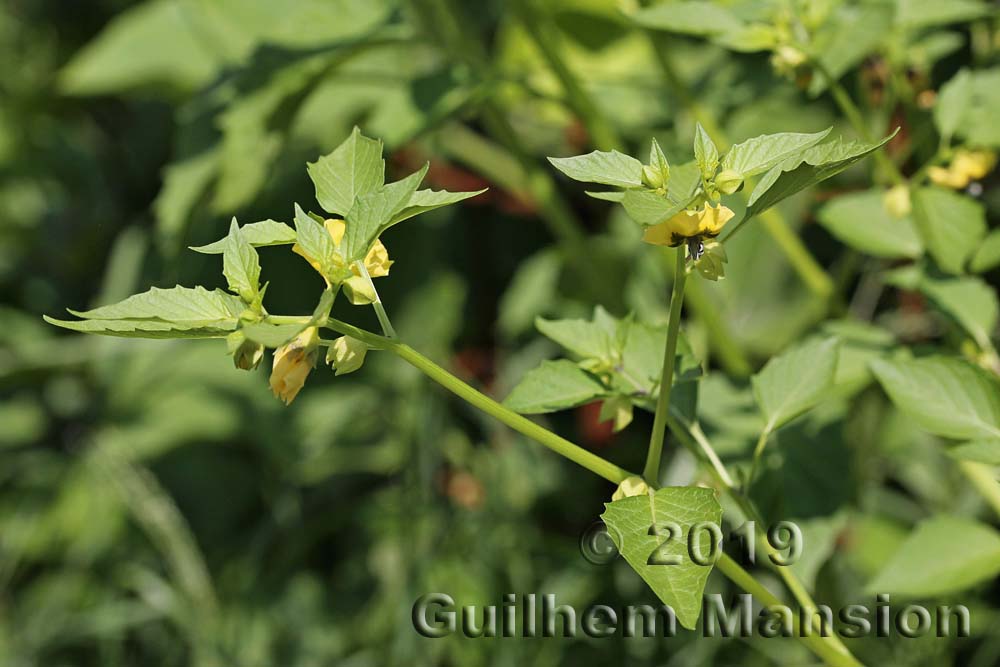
x=292 y=364
x=376 y=261
x=707 y=221
x=965 y=167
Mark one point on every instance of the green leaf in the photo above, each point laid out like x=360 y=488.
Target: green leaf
x=951 y=224
x=987 y=256
x=373 y=212
x=316 y=242
x=428 y=200
x=967 y=107
x=353 y=169
x=951 y=103
x=813 y=166
x=944 y=555
x=555 y=385
x=968 y=300
x=240 y=265
x=861 y=220
x=688 y=18
x=176 y=304
x=980 y=451
x=640 y=529
x=257 y=234
x=180 y=312
x=153 y=43
x=757 y=155
x=945 y=396
x=606 y=168
x=794 y=381
x=586 y=339
x=647 y=208
x=706 y=155
x=919 y=14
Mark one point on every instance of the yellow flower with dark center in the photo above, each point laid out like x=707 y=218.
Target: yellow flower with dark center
x=965 y=167
x=293 y=362
x=705 y=222
x=376 y=261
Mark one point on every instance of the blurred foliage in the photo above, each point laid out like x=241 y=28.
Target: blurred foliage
x=157 y=507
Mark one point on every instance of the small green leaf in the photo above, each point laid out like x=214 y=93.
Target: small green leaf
x=944 y=555
x=257 y=234
x=555 y=385
x=355 y=168
x=757 y=155
x=688 y=18
x=980 y=451
x=316 y=242
x=813 y=166
x=643 y=529
x=616 y=196
x=606 y=168
x=861 y=220
x=240 y=265
x=951 y=224
x=649 y=208
x=987 y=257
x=794 y=381
x=373 y=212
x=272 y=335
x=945 y=396
x=706 y=155
x=428 y=200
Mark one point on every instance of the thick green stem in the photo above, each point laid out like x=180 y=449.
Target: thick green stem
x=821 y=646
x=652 y=469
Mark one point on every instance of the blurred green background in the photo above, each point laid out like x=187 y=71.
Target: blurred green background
x=158 y=507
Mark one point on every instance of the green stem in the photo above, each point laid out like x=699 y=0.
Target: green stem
x=821 y=646
x=522 y=425
x=383 y=317
x=652 y=468
x=758 y=451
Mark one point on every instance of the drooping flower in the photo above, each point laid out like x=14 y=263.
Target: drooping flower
x=705 y=222
x=966 y=166
x=293 y=362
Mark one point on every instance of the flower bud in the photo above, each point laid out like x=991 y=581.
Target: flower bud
x=729 y=181
x=359 y=291
x=652 y=177
x=346 y=355
x=247 y=354
x=631 y=486
x=292 y=364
